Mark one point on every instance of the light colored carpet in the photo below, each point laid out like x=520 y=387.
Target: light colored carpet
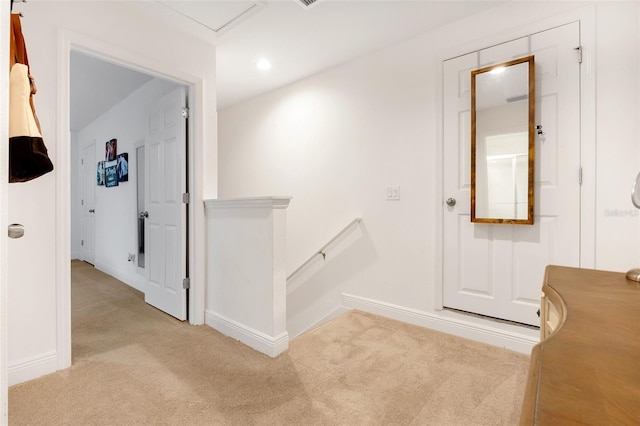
x=133 y=365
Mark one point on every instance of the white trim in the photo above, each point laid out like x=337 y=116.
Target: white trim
x=588 y=138
x=32 y=368
x=485 y=333
x=197 y=219
x=100 y=49
x=438 y=206
x=261 y=342
x=514 y=31
x=5 y=20
x=271 y=202
x=63 y=210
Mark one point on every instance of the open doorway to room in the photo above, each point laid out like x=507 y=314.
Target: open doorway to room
x=128 y=178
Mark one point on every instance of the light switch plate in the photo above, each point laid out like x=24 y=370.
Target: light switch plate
x=392 y=193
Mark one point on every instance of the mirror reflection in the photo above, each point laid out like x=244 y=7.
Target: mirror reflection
x=502 y=142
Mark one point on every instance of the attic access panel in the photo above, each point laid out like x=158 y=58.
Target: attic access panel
x=215 y=15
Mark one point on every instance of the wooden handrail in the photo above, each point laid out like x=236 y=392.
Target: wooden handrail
x=324 y=247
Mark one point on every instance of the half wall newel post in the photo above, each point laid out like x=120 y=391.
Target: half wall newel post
x=246 y=271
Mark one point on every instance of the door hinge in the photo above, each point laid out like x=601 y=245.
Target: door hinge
x=579 y=53
x=580 y=175
x=185 y=112
x=185 y=197
x=82 y=242
x=186 y=283
x=82 y=161
x=82 y=202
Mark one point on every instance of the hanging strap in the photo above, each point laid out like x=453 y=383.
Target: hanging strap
x=20 y=49
x=18 y=52
x=12 y=47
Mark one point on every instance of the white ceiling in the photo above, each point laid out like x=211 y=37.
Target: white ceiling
x=301 y=42
x=96 y=86
x=298 y=41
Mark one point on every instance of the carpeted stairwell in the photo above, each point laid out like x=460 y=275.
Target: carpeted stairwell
x=134 y=365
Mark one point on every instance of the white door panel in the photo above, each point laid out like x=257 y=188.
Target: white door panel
x=165 y=247
x=497 y=269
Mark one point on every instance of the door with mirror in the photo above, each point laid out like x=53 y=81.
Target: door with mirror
x=492 y=264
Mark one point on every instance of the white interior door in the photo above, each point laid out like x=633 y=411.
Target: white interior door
x=165 y=233
x=88 y=204
x=497 y=269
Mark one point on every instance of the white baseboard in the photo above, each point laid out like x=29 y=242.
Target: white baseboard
x=75 y=255
x=132 y=279
x=269 y=345
x=488 y=332
x=32 y=368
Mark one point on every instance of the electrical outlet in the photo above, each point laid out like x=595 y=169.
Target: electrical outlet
x=392 y=193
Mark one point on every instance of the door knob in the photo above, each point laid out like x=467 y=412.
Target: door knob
x=451 y=202
x=15 y=230
x=92 y=210
x=143 y=214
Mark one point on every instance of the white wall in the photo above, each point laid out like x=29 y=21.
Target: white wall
x=618 y=140
x=335 y=140
x=116 y=207
x=39 y=299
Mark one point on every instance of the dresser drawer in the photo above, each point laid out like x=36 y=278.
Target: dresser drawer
x=552 y=313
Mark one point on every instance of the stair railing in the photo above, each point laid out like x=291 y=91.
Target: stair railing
x=321 y=251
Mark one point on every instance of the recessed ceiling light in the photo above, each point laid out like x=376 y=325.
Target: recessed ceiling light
x=263 y=64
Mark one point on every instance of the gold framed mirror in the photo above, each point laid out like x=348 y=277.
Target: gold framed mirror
x=503 y=142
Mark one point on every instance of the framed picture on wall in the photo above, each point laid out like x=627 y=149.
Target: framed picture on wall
x=123 y=167
x=100 y=173
x=110 y=173
x=111 y=150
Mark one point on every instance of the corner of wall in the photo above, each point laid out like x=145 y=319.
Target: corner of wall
x=268 y=345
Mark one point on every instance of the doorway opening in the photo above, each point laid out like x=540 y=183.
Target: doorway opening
x=113 y=104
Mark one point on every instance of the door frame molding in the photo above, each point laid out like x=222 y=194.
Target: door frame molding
x=4 y=216
x=586 y=17
x=71 y=41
